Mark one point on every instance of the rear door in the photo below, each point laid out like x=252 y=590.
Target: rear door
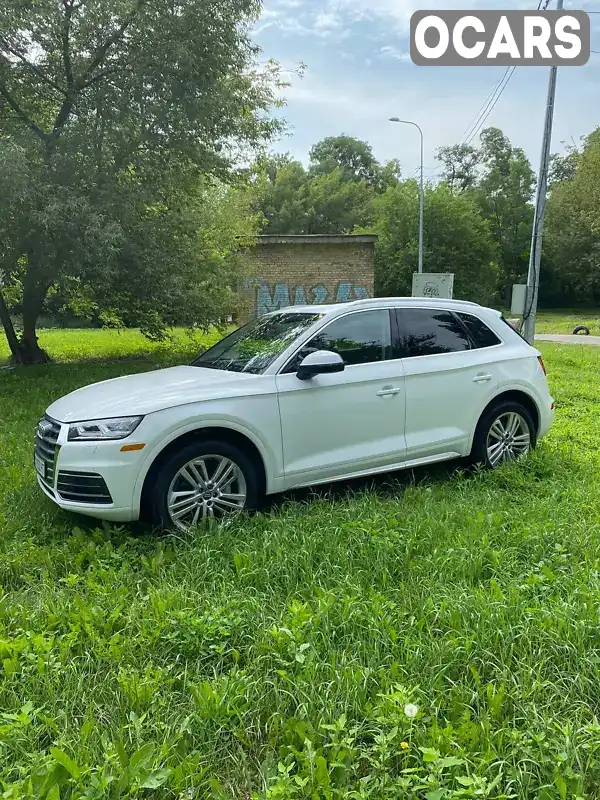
x=449 y=379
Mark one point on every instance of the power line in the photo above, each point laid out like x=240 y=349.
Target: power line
x=491 y=103
x=481 y=111
x=500 y=87
x=492 y=99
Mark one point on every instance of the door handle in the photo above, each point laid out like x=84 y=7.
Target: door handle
x=387 y=391
x=482 y=378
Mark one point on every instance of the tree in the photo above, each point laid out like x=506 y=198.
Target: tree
x=353 y=157
x=355 y=160
x=337 y=205
x=563 y=168
x=112 y=112
x=460 y=163
x=333 y=196
x=504 y=194
x=456 y=239
x=572 y=235
x=500 y=178
x=277 y=188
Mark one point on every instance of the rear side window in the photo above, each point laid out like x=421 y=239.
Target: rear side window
x=430 y=331
x=479 y=332
x=516 y=330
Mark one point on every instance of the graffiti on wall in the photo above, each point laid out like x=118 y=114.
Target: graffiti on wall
x=269 y=297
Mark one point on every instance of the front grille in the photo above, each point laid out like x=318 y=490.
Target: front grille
x=83 y=487
x=46 y=446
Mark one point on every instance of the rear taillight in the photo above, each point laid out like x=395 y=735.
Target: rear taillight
x=541 y=360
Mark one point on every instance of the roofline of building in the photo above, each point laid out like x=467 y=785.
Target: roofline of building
x=318 y=238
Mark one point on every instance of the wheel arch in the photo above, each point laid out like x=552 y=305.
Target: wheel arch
x=515 y=396
x=206 y=433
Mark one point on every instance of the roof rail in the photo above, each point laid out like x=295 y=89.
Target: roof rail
x=374 y=300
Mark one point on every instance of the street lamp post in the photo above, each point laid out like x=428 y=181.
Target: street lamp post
x=408 y=122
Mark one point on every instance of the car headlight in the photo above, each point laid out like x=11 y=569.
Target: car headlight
x=97 y=430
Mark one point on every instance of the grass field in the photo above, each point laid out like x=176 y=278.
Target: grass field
x=274 y=657
x=108 y=344
x=566 y=321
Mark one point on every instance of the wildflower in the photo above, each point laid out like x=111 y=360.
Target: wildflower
x=404 y=745
x=411 y=710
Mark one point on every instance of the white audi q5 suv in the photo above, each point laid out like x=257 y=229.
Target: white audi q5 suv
x=300 y=396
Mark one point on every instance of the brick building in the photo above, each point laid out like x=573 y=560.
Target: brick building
x=293 y=270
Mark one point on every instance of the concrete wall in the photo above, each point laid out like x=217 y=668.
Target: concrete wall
x=294 y=270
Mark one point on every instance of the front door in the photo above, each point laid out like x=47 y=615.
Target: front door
x=351 y=421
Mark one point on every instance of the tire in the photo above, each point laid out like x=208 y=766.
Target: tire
x=581 y=329
x=487 y=451
x=173 y=492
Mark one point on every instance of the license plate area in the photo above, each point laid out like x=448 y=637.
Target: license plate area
x=40 y=466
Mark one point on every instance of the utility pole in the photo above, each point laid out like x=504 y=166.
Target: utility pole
x=535 y=256
x=408 y=122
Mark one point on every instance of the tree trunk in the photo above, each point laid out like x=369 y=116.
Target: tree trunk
x=25 y=350
x=9 y=330
x=33 y=301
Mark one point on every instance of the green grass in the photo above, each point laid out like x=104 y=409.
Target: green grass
x=104 y=344
x=274 y=656
x=565 y=321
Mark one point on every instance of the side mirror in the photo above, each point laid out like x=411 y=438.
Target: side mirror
x=321 y=362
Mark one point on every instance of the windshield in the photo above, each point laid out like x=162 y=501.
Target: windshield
x=256 y=345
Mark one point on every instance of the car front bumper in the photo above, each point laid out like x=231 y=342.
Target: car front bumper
x=92 y=478
x=108 y=511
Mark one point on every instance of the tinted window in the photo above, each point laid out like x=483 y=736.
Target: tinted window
x=256 y=345
x=427 y=331
x=480 y=334
x=359 y=338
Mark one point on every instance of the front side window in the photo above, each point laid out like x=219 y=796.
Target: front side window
x=430 y=331
x=480 y=334
x=255 y=346
x=360 y=338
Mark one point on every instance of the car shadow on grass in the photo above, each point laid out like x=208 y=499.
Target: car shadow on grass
x=383 y=484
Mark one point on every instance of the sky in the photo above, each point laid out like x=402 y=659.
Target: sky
x=358 y=74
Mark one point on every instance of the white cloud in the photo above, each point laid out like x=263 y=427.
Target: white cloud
x=443 y=108
x=393 y=12
x=335 y=14
x=394 y=52
x=260 y=28
x=328 y=24
x=339 y=95
x=398 y=12
x=294 y=19
x=269 y=13
x=327 y=20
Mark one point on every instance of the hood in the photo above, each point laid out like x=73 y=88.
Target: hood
x=142 y=394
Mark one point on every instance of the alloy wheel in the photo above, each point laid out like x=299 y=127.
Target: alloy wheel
x=509 y=438
x=204 y=488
